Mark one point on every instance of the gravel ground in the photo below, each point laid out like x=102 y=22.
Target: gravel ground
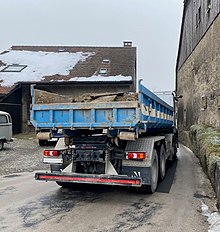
x=22 y=155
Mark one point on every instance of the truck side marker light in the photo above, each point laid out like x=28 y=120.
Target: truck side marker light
x=51 y=153
x=136 y=155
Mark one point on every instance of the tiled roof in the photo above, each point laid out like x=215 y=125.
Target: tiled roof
x=121 y=61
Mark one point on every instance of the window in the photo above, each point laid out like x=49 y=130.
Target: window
x=14 y=68
x=3 y=119
x=218 y=102
x=198 y=17
x=106 y=61
x=103 y=71
x=204 y=102
x=184 y=117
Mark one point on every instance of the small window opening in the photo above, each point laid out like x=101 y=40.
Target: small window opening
x=14 y=68
x=218 y=102
x=103 y=71
x=198 y=17
x=204 y=102
x=106 y=61
x=3 y=119
x=209 y=5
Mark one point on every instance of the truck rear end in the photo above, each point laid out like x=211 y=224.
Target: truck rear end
x=112 y=138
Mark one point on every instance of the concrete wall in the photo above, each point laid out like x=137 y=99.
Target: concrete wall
x=198 y=80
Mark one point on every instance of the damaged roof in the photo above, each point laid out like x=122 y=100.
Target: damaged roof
x=66 y=63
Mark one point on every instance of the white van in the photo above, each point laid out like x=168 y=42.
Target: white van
x=5 y=129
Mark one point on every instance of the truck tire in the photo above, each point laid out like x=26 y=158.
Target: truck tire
x=175 y=153
x=173 y=157
x=42 y=142
x=55 y=167
x=65 y=184
x=154 y=176
x=162 y=162
x=1 y=145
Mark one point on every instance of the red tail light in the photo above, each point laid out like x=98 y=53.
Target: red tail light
x=136 y=155
x=51 y=153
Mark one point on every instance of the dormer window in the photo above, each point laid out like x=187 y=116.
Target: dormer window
x=14 y=68
x=106 y=61
x=103 y=71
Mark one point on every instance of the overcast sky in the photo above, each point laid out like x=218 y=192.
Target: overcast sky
x=152 y=26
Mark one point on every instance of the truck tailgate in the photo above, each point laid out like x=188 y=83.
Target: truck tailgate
x=86 y=115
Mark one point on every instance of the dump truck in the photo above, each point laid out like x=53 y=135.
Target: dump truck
x=109 y=138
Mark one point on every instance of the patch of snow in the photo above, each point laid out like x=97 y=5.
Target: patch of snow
x=213 y=218
x=215 y=140
x=39 y=64
x=102 y=78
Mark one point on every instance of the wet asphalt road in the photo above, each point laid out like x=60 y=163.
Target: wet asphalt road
x=28 y=205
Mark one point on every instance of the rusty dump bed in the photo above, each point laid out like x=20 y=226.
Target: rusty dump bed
x=112 y=110
x=44 y=97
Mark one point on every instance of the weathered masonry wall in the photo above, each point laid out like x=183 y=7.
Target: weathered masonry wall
x=205 y=143
x=198 y=80
x=198 y=15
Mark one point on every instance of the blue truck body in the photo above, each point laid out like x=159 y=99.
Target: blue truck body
x=105 y=115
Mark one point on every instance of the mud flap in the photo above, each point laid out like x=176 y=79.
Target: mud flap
x=140 y=172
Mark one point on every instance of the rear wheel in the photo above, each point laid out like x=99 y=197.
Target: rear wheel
x=42 y=142
x=154 y=176
x=173 y=157
x=65 y=184
x=162 y=163
x=174 y=154
x=1 y=145
x=56 y=167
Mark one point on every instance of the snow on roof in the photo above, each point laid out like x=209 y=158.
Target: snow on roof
x=40 y=64
x=103 y=78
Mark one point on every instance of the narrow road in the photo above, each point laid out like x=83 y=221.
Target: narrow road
x=28 y=205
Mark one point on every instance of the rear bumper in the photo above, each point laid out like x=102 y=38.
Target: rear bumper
x=90 y=179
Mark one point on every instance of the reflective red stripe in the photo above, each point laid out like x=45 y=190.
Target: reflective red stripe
x=90 y=180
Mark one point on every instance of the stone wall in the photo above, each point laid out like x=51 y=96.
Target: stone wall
x=198 y=80
x=204 y=141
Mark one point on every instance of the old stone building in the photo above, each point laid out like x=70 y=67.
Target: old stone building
x=198 y=64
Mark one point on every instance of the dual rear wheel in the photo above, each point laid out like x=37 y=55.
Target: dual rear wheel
x=158 y=170
x=1 y=145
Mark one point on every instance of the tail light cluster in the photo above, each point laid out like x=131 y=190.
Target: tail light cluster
x=49 y=153
x=136 y=155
